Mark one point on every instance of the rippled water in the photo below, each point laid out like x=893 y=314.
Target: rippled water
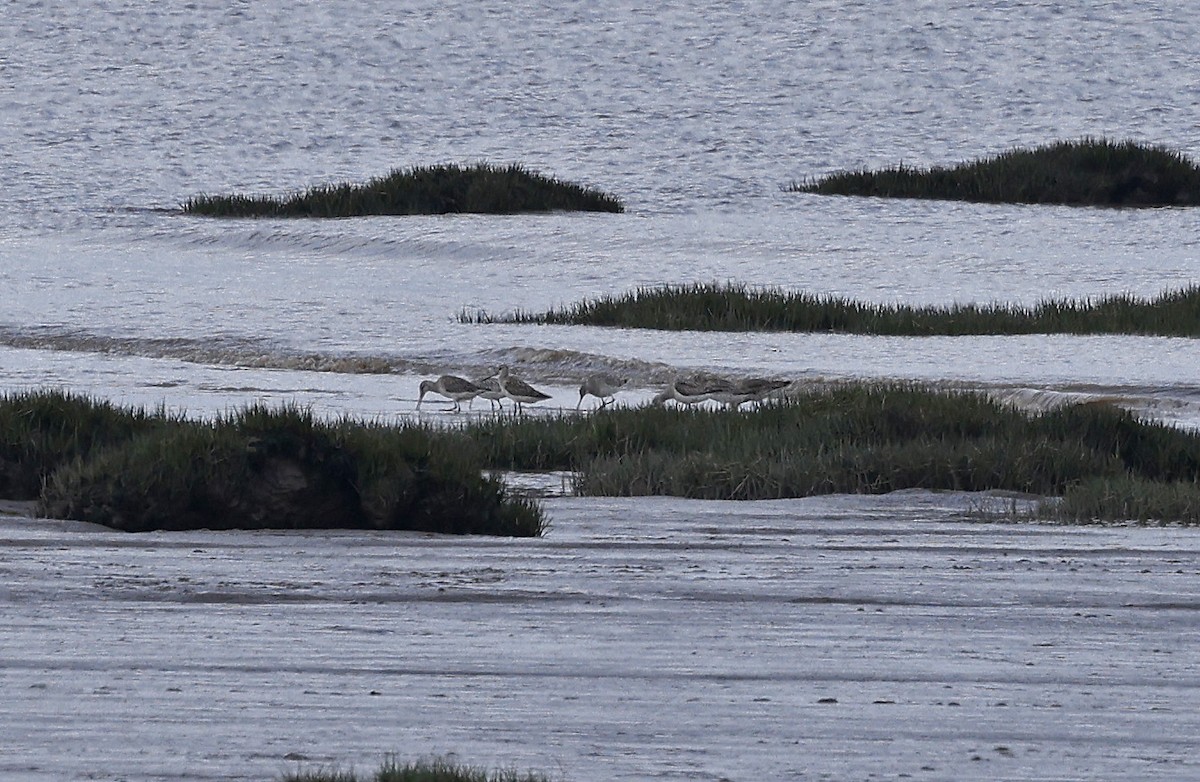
x=698 y=115
x=111 y=113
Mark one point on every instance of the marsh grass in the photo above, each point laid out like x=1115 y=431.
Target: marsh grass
x=734 y=307
x=437 y=770
x=441 y=189
x=324 y=776
x=275 y=468
x=422 y=478
x=1087 y=172
x=1128 y=498
x=853 y=438
x=41 y=429
x=256 y=468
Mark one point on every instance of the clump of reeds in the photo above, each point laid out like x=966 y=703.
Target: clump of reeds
x=1126 y=498
x=735 y=307
x=40 y=430
x=1088 y=172
x=440 y=189
x=856 y=438
x=437 y=770
x=258 y=468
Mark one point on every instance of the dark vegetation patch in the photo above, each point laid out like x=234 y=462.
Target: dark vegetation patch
x=88 y=460
x=421 y=771
x=41 y=430
x=1088 y=172
x=1126 y=498
x=734 y=307
x=866 y=438
x=442 y=189
x=265 y=468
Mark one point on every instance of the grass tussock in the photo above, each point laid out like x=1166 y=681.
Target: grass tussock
x=1088 y=172
x=442 y=189
x=437 y=770
x=857 y=438
x=258 y=468
x=40 y=430
x=1127 y=498
x=733 y=307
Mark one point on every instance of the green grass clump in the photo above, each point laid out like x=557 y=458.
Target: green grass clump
x=1088 y=172
x=437 y=770
x=258 y=468
x=853 y=438
x=41 y=429
x=1127 y=498
x=424 y=478
x=733 y=307
x=442 y=189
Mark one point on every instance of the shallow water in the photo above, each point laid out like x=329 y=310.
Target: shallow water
x=113 y=113
x=698 y=117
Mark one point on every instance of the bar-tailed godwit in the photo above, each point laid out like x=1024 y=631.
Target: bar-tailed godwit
x=518 y=390
x=688 y=392
x=601 y=385
x=490 y=390
x=454 y=388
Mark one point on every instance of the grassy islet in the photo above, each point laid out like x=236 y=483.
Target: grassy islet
x=272 y=468
x=735 y=307
x=441 y=189
x=437 y=770
x=1087 y=172
x=257 y=468
x=866 y=438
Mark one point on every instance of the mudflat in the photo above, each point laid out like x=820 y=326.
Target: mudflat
x=640 y=638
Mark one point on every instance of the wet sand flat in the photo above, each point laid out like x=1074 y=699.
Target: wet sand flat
x=836 y=637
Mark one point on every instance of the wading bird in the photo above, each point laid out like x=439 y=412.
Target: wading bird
x=756 y=389
x=602 y=386
x=687 y=392
x=752 y=389
x=454 y=388
x=489 y=389
x=518 y=390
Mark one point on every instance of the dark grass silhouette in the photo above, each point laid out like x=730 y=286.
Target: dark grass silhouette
x=1088 y=172
x=258 y=468
x=441 y=189
x=733 y=307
